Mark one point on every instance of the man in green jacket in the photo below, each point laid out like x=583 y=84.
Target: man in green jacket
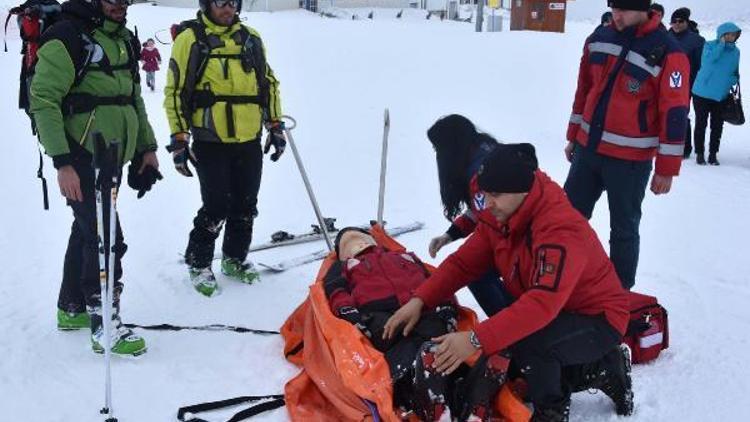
x=221 y=91
x=87 y=83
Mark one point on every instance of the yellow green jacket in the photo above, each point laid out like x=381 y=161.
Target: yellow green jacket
x=224 y=77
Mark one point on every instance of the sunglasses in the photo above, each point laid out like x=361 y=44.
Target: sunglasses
x=679 y=21
x=223 y=3
x=119 y=2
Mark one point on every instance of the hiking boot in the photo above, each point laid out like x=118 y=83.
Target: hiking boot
x=712 y=159
x=244 y=272
x=559 y=412
x=203 y=281
x=615 y=379
x=700 y=159
x=430 y=387
x=123 y=341
x=68 y=321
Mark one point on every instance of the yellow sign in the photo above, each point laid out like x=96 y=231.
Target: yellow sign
x=495 y=4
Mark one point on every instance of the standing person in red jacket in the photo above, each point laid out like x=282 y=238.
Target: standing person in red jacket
x=631 y=105
x=564 y=329
x=151 y=61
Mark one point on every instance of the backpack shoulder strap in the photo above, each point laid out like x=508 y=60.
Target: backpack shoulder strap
x=252 y=46
x=79 y=43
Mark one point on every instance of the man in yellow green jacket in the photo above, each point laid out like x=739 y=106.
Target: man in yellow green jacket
x=221 y=91
x=86 y=82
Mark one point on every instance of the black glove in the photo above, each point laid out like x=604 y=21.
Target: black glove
x=275 y=138
x=449 y=315
x=181 y=153
x=351 y=314
x=144 y=181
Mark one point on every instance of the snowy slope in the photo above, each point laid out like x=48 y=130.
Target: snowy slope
x=337 y=76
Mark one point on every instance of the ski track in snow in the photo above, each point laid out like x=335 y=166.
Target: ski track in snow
x=336 y=78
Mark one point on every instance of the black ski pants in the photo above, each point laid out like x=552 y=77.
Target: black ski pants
x=706 y=109
x=569 y=340
x=229 y=176
x=80 y=284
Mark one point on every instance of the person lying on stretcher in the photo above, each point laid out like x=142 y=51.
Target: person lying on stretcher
x=365 y=287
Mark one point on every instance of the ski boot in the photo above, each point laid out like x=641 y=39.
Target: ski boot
x=69 y=321
x=123 y=340
x=430 y=387
x=203 y=281
x=244 y=272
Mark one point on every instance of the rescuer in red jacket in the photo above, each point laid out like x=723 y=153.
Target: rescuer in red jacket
x=631 y=106
x=564 y=329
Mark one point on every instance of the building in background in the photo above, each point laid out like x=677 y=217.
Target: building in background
x=538 y=15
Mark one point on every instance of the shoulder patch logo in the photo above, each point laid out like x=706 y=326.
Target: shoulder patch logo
x=634 y=86
x=479 y=201
x=675 y=80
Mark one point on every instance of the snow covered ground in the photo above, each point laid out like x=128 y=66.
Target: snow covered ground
x=337 y=77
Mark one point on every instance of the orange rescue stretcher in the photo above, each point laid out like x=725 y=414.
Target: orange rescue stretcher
x=344 y=378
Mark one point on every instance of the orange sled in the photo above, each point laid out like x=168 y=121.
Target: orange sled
x=343 y=378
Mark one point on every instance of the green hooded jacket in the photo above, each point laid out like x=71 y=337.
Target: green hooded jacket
x=54 y=79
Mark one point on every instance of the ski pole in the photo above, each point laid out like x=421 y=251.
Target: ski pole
x=303 y=173
x=106 y=176
x=383 y=165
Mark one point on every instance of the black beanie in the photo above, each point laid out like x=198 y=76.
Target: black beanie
x=681 y=13
x=337 y=242
x=641 y=5
x=508 y=169
x=450 y=128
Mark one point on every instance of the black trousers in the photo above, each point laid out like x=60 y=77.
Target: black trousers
x=568 y=340
x=80 y=284
x=706 y=109
x=229 y=176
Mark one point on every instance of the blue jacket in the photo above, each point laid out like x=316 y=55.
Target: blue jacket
x=720 y=66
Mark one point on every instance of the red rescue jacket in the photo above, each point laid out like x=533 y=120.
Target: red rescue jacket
x=550 y=260
x=633 y=96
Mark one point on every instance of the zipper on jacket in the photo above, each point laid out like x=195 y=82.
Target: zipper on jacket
x=86 y=128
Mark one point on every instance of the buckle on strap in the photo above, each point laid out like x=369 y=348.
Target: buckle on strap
x=204 y=99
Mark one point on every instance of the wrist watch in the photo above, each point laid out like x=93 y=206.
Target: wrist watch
x=474 y=340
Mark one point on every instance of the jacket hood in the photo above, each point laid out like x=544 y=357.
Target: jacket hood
x=726 y=28
x=85 y=10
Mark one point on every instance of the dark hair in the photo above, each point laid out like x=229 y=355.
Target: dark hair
x=455 y=138
x=337 y=242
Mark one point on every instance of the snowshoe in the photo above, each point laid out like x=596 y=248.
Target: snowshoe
x=244 y=272
x=68 y=321
x=203 y=281
x=124 y=341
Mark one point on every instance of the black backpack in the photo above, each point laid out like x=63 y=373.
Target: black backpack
x=43 y=20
